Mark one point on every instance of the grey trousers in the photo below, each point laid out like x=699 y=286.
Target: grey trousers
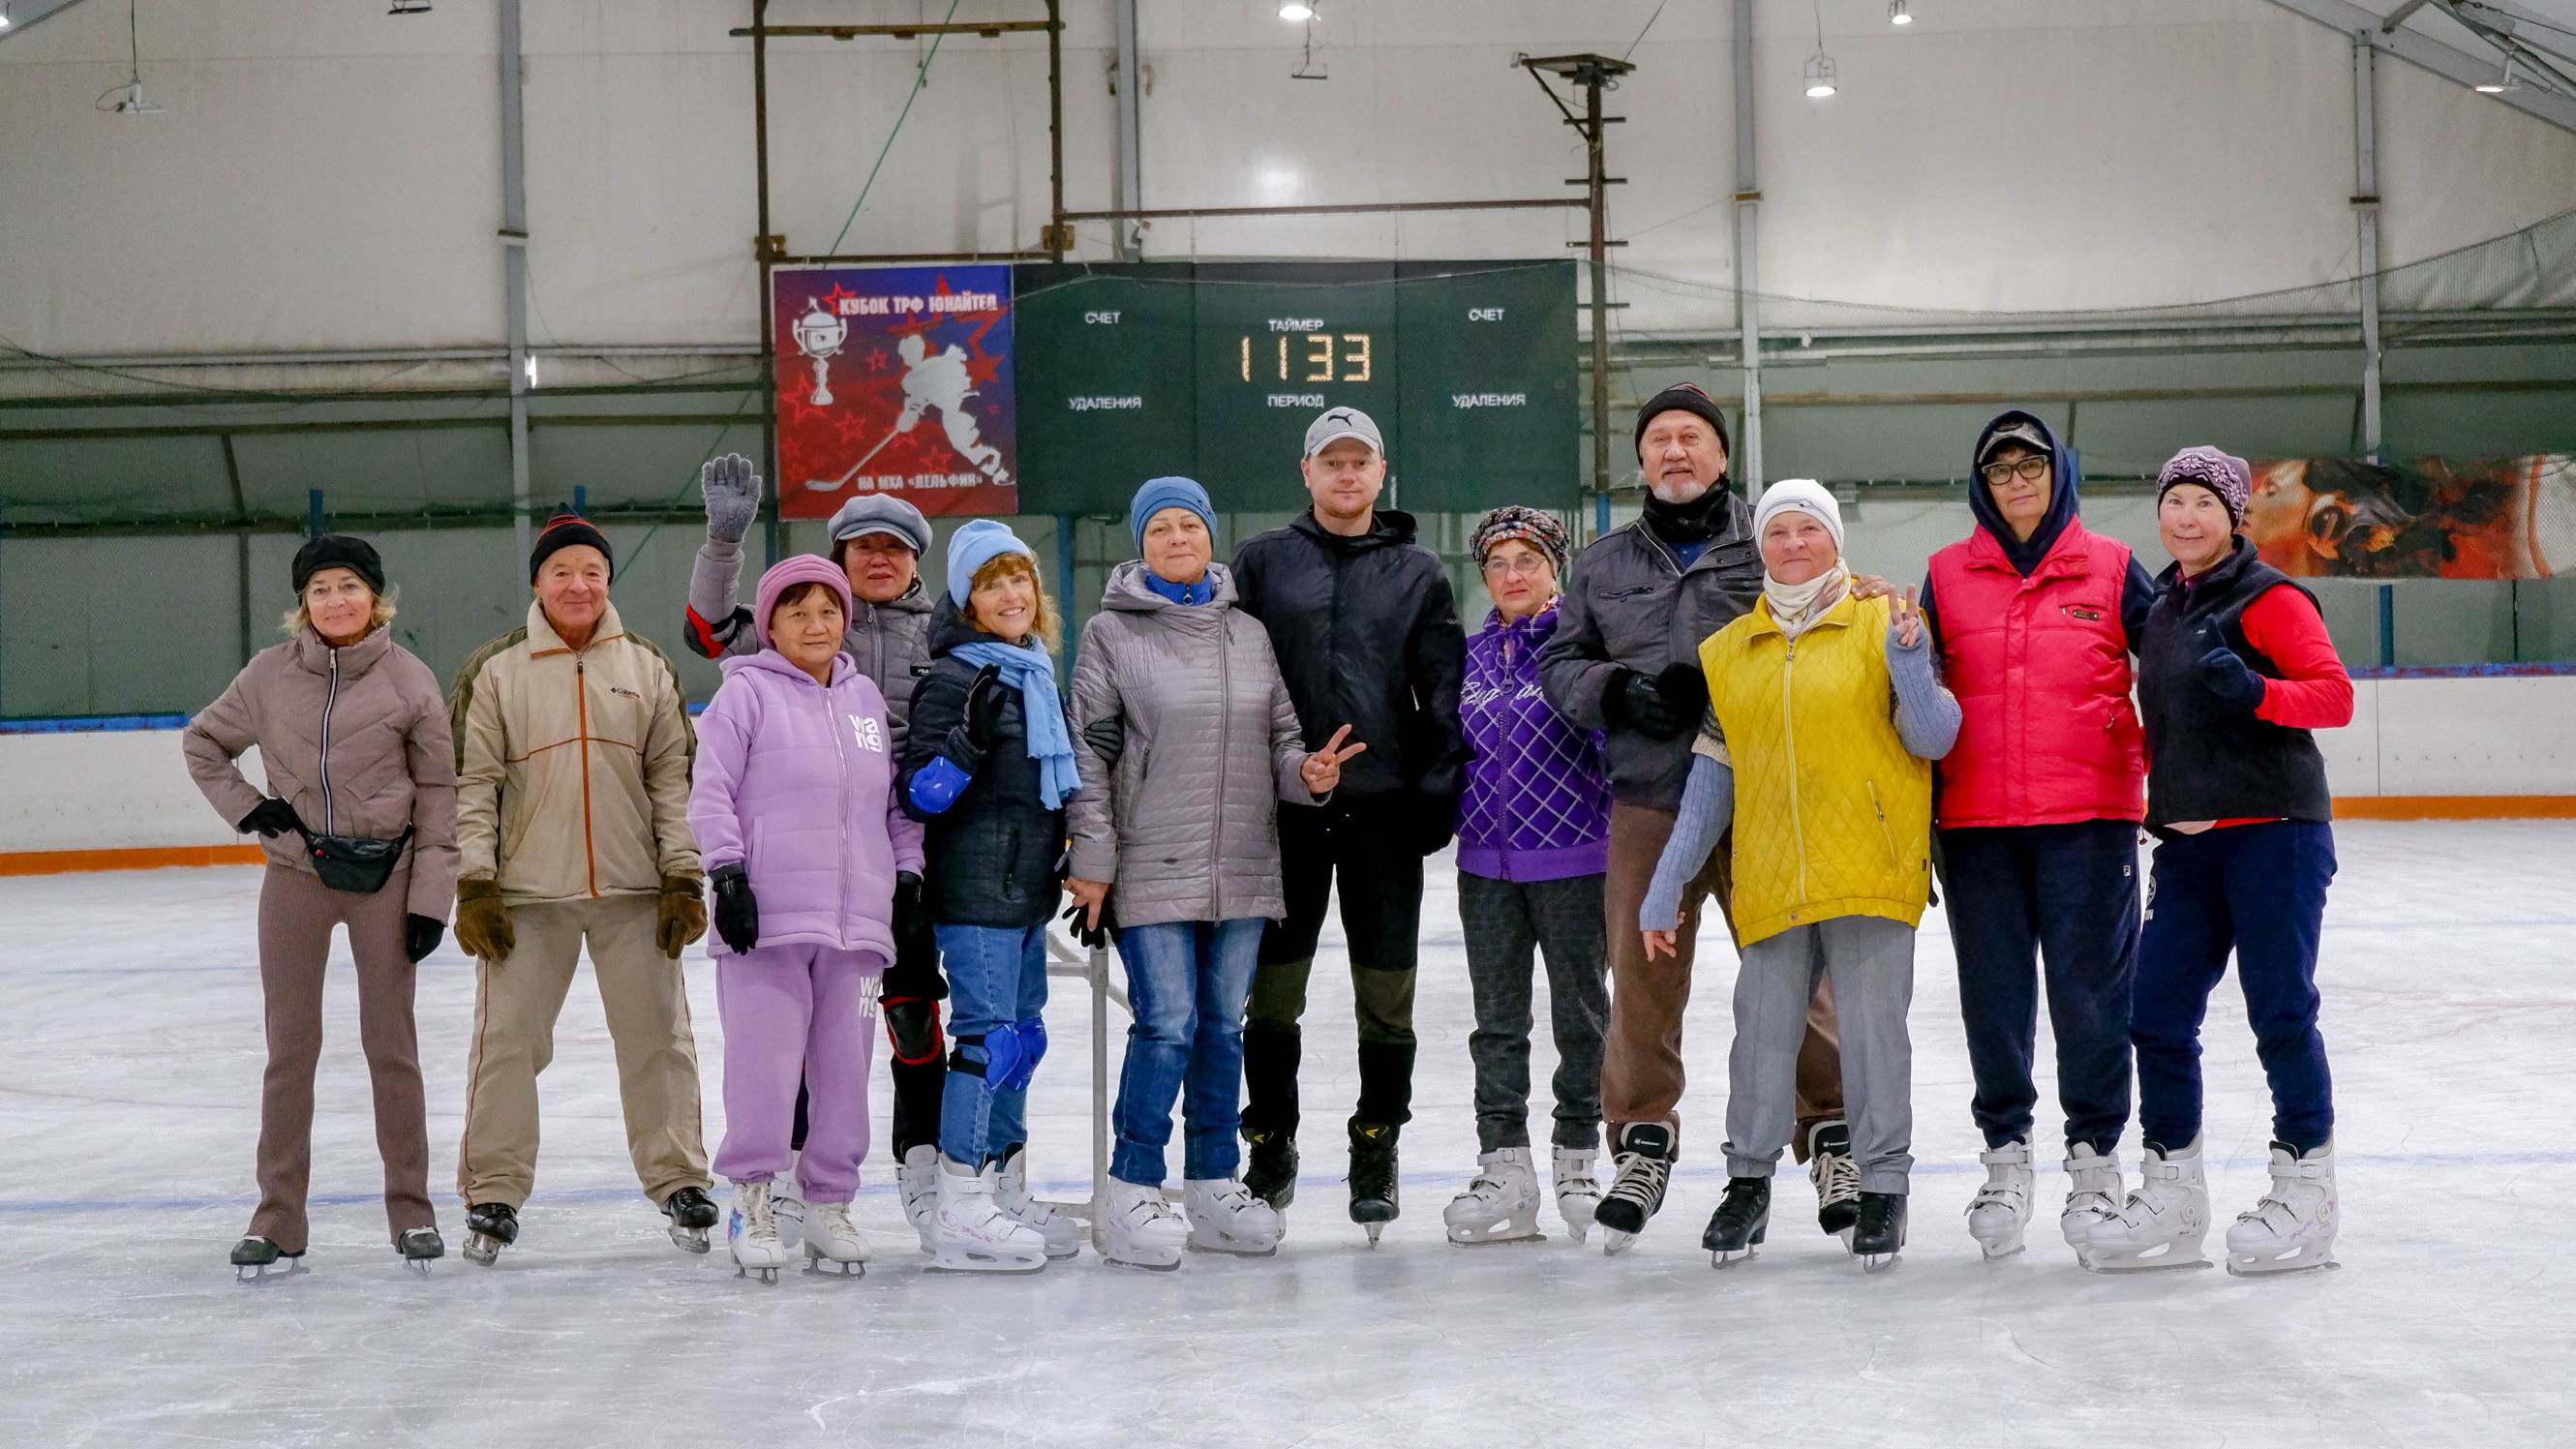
x=1506 y=924
x=1871 y=964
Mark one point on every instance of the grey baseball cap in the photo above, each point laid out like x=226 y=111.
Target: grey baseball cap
x=1336 y=424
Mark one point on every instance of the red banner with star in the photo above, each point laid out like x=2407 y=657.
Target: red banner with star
x=894 y=380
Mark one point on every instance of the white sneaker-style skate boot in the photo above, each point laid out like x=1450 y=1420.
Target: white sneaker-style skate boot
x=2001 y=1213
x=2293 y=1228
x=1501 y=1204
x=787 y=1204
x=831 y=1238
x=1062 y=1232
x=753 y=1234
x=1139 y=1229
x=1226 y=1218
x=1578 y=1192
x=916 y=1177
x=2163 y=1222
x=2093 y=1194
x=973 y=1234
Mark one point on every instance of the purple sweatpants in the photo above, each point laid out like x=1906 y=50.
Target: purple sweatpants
x=791 y=1010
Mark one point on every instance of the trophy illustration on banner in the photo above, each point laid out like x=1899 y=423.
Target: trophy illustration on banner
x=819 y=335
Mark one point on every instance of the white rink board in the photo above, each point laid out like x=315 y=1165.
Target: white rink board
x=129 y=1068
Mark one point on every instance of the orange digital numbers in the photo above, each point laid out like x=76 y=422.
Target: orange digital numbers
x=1323 y=357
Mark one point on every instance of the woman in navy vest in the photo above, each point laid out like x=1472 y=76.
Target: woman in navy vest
x=1533 y=843
x=2234 y=670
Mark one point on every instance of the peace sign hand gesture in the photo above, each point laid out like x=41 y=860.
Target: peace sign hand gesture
x=1322 y=770
x=1904 y=621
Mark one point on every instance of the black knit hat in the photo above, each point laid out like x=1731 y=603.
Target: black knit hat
x=564 y=530
x=1684 y=397
x=339 y=551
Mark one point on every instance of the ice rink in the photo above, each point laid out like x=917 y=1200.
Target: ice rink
x=130 y=1054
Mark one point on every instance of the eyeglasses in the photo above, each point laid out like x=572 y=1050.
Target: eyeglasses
x=2031 y=469
x=1528 y=565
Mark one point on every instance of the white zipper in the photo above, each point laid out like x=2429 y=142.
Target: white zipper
x=330 y=698
x=1224 y=730
x=1789 y=735
x=840 y=757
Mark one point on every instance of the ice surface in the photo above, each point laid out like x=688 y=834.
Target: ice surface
x=130 y=1055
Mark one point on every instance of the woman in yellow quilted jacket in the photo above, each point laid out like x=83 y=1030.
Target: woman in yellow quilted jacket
x=1825 y=713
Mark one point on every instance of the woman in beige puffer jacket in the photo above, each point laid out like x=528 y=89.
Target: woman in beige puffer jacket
x=353 y=739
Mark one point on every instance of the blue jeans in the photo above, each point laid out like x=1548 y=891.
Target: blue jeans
x=996 y=976
x=2261 y=891
x=1187 y=981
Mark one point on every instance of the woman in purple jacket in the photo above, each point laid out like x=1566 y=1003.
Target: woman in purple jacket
x=813 y=863
x=1533 y=843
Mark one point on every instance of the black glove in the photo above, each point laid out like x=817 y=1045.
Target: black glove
x=421 y=935
x=1685 y=688
x=975 y=734
x=737 y=910
x=1107 y=737
x=2227 y=676
x=1431 y=820
x=1092 y=938
x=1638 y=702
x=271 y=817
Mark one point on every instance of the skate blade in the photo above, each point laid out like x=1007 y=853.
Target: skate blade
x=1615 y=1241
x=482 y=1251
x=1880 y=1262
x=818 y=1266
x=1233 y=1250
x=690 y=1240
x=1143 y=1265
x=1730 y=1257
x=2115 y=1266
x=1510 y=1230
x=767 y=1275
x=418 y=1266
x=2244 y=1267
x=1579 y=1232
x=967 y=1263
x=1373 y=1229
x=1997 y=1252
x=277 y=1272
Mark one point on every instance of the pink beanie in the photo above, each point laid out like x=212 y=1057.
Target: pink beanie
x=787 y=573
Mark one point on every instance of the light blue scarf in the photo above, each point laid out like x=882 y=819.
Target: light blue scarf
x=1030 y=671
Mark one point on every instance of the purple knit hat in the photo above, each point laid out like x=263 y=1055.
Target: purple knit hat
x=787 y=573
x=2224 y=474
x=1541 y=531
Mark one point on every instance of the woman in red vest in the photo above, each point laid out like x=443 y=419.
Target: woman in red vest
x=2037 y=810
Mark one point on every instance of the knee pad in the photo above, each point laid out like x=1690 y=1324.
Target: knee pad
x=1013 y=1052
x=912 y=1027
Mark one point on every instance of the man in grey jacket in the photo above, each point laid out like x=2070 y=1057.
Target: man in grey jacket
x=878 y=541
x=1623 y=660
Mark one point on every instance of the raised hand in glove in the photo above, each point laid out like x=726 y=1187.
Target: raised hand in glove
x=982 y=725
x=421 y=935
x=737 y=910
x=2228 y=677
x=482 y=923
x=732 y=492
x=270 y=817
x=682 y=914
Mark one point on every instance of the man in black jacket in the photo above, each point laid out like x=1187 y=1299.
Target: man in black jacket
x=1366 y=629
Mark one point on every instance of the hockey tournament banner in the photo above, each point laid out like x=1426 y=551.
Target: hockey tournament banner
x=2432 y=518
x=894 y=380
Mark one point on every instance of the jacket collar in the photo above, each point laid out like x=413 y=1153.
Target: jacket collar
x=1535 y=629
x=543 y=640
x=770 y=661
x=315 y=655
x=1386 y=526
x=1128 y=593
x=1837 y=615
x=2064 y=556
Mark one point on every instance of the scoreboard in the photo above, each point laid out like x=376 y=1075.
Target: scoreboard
x=1213 y=370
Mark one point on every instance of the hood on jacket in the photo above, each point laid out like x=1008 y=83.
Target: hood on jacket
x=2064 y=473
x=1128 y=591
x=1390 y=527
x=770 y=661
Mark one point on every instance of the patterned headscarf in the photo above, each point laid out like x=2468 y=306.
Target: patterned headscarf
x=1541 y=531
x=2224 y=474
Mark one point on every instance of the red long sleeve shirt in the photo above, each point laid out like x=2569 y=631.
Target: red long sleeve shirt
x=2314 y=692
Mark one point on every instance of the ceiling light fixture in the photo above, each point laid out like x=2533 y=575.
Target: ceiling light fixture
x=1294 y=11
x=1896 y=13
x=129 y=96
x=2505 y=81
x=1820 y=66
x=409 y=7
x=4 y=17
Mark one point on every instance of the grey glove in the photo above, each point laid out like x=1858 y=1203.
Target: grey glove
x=1107 y=737
x=732 y=492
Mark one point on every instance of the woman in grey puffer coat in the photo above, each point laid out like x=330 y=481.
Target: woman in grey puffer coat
x=1187 y=741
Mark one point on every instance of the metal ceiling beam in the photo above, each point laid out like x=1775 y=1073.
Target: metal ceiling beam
x=2444 y=60
x=23 y=14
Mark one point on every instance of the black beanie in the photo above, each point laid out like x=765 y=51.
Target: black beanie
x=1684 y=397
x=339 y=551
x=565 y=530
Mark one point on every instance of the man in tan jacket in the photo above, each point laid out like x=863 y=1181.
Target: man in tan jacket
x=572 y=749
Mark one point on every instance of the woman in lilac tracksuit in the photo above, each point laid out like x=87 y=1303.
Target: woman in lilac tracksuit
x=813 y=861
x=1533 y=844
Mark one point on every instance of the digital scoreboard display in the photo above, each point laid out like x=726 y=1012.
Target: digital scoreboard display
x=1213 y=370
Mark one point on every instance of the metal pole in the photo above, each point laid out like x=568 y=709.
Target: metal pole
x=514 y=264
x=1748 y=236
x=1055 y=130
x=1128 y=235
x=762 y=249
x=2365 y=211
x=1597 y=202
x=1097 y=968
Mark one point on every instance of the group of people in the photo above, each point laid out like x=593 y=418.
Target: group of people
x=891 y=796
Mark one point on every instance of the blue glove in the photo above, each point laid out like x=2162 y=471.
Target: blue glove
x=2228 y=678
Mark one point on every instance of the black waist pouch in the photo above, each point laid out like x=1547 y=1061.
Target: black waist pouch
x=355 y=863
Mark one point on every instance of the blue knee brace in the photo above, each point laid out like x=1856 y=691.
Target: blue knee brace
x=1011 y=1051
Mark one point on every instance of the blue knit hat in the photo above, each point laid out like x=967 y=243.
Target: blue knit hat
x=970 y=548
x=1161 y=493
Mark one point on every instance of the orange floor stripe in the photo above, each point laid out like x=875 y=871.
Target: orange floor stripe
x=59 y=862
